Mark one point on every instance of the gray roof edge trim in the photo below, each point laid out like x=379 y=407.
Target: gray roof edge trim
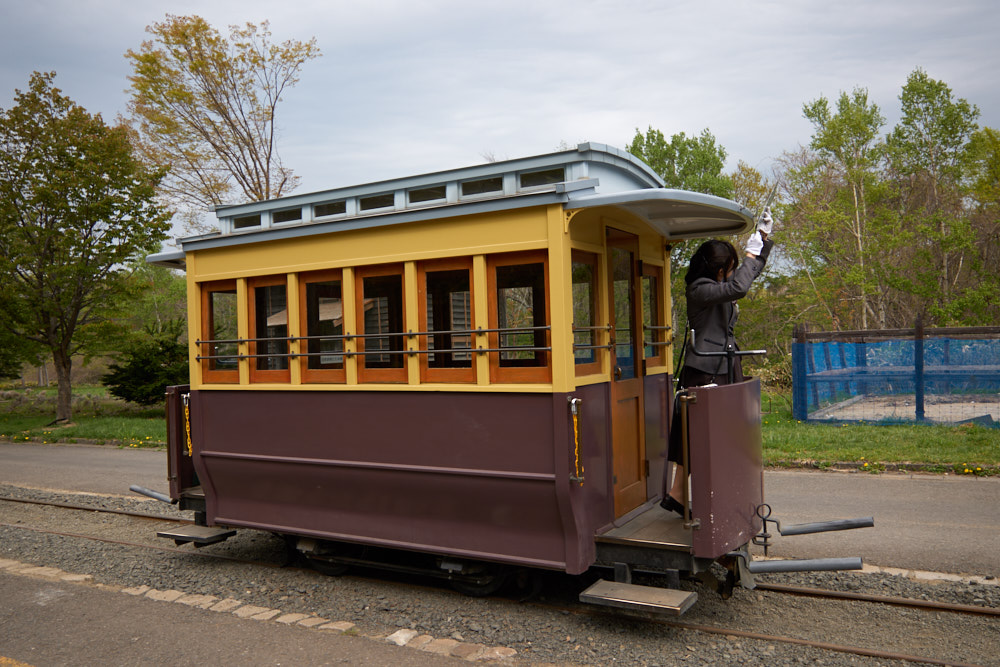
x=377 y=220
x=584 y=152
x=171 y=259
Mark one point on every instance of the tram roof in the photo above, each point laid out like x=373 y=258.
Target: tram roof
x=588 y=176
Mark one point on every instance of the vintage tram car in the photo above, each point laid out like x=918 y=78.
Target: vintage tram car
x=471 y=367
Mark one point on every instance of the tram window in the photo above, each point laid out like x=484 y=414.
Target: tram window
x=382 y=325
x=584 y=274
x=328 y=209
x=482 y=186
x=246 y=221
x=520 y=314
x=323 y=327
x=422 y=195
x=447 y=319
x=387 y=200
x=621 y=267
x=288 y=215
x=539 y=178
x=652 y=316
x=268 y=330
x=219 y=332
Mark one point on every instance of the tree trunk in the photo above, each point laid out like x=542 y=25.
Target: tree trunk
x=64 y=401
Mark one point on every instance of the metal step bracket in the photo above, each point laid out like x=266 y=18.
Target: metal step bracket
x=662 y=601
x=199 y=535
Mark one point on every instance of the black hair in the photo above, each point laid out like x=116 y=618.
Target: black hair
x=710 y=258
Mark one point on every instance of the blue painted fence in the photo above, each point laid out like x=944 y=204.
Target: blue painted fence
x=941 y=375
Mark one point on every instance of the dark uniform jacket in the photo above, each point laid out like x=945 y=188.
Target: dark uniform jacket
x=712 y=313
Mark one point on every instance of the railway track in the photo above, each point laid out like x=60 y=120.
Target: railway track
x=570 y=606
x=927 y=605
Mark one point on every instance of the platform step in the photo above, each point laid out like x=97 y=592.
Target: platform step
x=200 y=535
x=639 y=598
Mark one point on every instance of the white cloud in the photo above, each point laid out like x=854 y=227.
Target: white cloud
x=406 y=87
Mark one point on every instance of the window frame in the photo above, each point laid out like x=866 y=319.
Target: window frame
x=320 y=375
x=427 y=372
x=368 y=375
x=593 y=260
x=517 y=374
x=257 y=375
x=211 y=375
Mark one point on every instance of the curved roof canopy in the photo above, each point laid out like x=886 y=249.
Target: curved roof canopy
x=676 y=214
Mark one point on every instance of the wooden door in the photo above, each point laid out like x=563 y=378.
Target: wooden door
x=629 y=469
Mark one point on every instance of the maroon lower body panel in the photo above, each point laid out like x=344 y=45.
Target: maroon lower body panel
x=726 y=466
x=467 y=474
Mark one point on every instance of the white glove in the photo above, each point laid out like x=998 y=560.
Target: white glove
x=766 y=222
x=755 y=245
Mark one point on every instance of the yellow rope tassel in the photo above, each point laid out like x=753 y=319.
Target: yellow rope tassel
x=187 y=422
x=574 y=407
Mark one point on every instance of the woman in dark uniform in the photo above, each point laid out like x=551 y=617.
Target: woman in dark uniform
x=714 y=284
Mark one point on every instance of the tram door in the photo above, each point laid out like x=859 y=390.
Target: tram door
x=629 y=481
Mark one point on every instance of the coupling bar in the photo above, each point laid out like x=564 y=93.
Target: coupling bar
x=804 y=565
x=827 y=526
x=156 y=495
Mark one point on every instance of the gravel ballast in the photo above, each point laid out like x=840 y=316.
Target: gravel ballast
x=551 y=628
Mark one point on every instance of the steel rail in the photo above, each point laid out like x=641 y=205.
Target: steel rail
x=89 y=508
x=928 y=605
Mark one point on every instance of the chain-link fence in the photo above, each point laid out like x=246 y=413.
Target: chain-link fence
x=939 y=376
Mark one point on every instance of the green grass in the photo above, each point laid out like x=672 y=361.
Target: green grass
x=124 y=431
x=960 y=449
x=26 y=415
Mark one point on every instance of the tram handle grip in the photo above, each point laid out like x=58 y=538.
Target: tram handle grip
x=730 y=353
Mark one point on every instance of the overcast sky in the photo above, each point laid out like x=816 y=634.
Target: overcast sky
x=411 y=86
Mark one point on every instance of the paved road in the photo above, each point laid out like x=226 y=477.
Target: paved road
x=83 y=468
x=55 y=623
x=925 y=522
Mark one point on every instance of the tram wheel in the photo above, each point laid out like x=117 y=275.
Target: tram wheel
x=487 y=581
x=326 y=567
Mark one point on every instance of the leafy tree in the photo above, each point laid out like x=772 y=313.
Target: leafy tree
x=150 y=364
x=15 y=352
x=206 y=106
x=981 y=298
x=75 y=208
x=840 y=220
x=929 y=160
x=159 y=296
x=685 y=163
x=750 y=188
x=984 y=158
